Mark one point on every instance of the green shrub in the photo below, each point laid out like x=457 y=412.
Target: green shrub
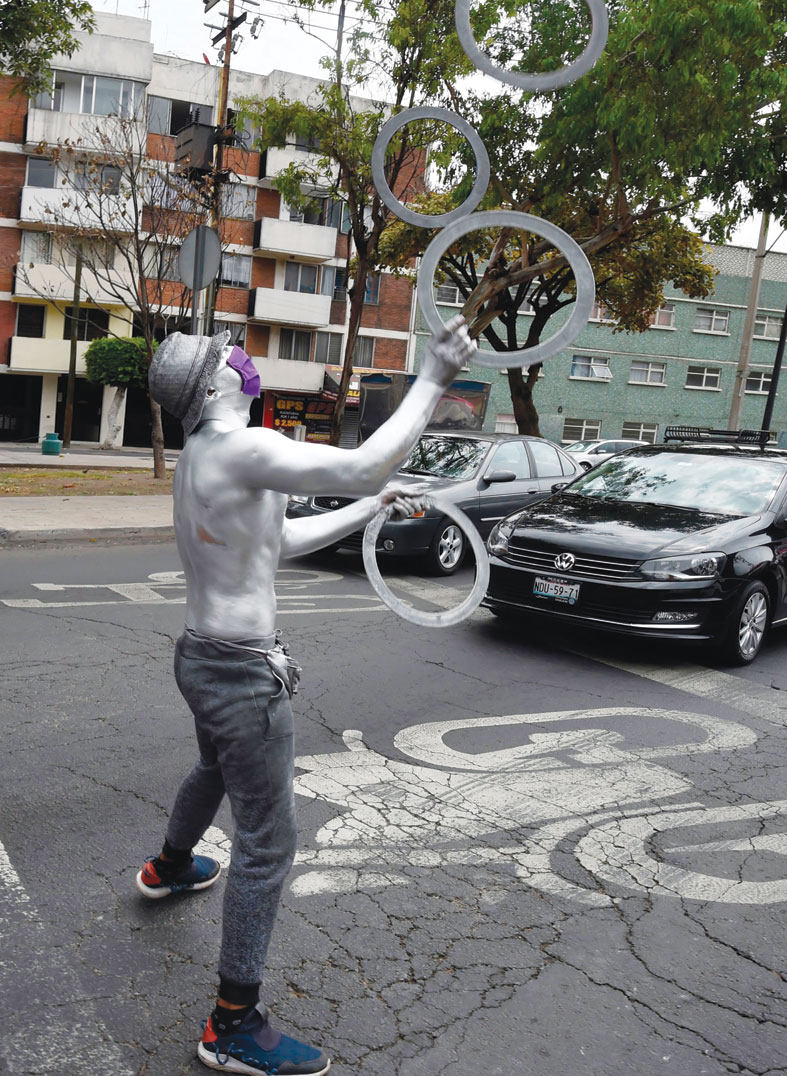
x=112 y=360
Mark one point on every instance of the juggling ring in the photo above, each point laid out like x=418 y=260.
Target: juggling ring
x=511 y=218
x=448 y=617
x=482 y=167
x=549 y=80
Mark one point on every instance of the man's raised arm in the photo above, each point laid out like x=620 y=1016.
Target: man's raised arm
x=264 y=459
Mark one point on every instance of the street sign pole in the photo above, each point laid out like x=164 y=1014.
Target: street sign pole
x=196 y=280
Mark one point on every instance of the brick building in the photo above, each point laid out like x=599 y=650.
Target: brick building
x=282 y=285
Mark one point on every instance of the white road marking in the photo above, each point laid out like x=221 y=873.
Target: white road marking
x=72 y=1033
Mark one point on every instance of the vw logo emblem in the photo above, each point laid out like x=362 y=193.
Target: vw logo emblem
x=564 y=562
x=335 y=504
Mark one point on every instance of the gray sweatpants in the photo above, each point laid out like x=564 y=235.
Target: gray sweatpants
x=244 y=724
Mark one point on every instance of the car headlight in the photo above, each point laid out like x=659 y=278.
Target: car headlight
x=497 y=543
x=693 y=566
x=296 y=498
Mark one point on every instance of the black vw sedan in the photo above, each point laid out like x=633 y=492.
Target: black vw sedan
x=685 y=540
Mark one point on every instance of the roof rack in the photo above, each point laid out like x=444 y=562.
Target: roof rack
x=704 y=433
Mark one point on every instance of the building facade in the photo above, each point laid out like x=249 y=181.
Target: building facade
x=679 y=371
x=282 y=287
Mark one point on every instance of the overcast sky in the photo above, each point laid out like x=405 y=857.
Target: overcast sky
x=178 y=27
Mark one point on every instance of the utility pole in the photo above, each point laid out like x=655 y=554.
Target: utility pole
x=777 y=369
x=219 y=176
x=741 y=373
x=68 y=418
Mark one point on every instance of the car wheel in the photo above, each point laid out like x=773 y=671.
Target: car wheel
x=748 y=626
x=447 y=550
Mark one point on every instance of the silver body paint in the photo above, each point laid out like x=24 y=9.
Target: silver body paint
x=232 y=481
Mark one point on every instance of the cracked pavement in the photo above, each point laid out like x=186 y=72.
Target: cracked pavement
x=518 y=853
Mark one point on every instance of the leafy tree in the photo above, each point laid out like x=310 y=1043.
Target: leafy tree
x=410 y=52
x=33 y=31
x=680 y=123
x=120 y=361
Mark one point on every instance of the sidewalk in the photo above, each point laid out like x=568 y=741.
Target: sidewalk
x=27 y=520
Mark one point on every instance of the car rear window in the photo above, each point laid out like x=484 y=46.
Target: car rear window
x=446 y=457
x=722 y=485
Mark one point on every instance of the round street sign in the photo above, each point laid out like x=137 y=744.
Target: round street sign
x=199 y=257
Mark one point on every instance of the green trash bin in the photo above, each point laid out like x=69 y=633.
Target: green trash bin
x=51 y=445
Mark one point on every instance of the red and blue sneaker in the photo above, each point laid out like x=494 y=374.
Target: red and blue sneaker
x=154 y=883
x=255 y=1047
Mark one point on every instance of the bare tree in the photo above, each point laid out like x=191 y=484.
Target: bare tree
x=123 y=209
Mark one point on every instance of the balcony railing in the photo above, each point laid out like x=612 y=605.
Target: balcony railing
x=55 y=283
x=279 y=307
x=38 y=356
x=293 y=239
x=86 y=133
x=47 y=207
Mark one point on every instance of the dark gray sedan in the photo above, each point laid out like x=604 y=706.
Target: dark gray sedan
x=488 y=475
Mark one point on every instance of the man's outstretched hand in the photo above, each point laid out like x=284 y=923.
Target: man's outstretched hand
x=448 y=351
x=403 y=503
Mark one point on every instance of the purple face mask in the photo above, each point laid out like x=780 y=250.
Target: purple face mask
x=242 y=364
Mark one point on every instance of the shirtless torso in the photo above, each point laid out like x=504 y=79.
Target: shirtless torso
x=231 y=486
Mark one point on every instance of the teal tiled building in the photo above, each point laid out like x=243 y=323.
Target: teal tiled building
x=681 y=370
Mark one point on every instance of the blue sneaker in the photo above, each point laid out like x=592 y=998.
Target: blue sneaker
x=200 y=873
x=255 y=1046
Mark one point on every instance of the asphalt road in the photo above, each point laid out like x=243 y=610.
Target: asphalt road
x=520 y=853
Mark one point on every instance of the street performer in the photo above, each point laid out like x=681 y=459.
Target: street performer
x=230 y=493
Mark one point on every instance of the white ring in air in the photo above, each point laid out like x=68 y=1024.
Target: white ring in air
x=446 y=618
x=482 y=168
x=511 y=218
x=550 y=80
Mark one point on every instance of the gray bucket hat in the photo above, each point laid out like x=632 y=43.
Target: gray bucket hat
x=181 y=372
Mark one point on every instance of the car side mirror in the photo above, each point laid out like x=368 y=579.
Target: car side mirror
x=557 y=486
x=500 y=476
x=596 y=451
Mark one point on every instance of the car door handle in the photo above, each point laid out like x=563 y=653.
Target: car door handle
x=533 y=491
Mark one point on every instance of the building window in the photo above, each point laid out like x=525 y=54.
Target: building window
x=600 y=313
x=235 y=271
x=167 y=117
x=324 y=211
x=647 y=373
x=295 y=345
x=237 y=200
x=309 y=143
x=758 y=382
x=448 y=294
x=36 y=248
x=363 y=352
x=90 y=324
x=334 y=282
x=41 y=172
x=708 y=320
x=590 y=368
x=88 y=176
x=30 y=320
x=703 y=377
x=581 y=429
x=505 y=423
x=641 y=431
x=664 y=317
x=102 y=96
x=372 y=293
x=768 y=326
x=300 y=277
x=328 y=348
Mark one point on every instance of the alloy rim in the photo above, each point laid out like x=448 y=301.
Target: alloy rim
x=449 y=549
x=752 y=624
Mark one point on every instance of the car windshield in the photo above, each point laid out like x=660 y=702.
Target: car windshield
x=446 y=457
x=721 y=485
x=580 y=446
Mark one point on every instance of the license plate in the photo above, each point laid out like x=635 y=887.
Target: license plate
x=558 y=589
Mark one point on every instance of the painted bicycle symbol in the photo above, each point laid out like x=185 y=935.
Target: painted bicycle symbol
x=576 y=810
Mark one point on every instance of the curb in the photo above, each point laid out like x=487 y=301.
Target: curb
x=22 y=538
